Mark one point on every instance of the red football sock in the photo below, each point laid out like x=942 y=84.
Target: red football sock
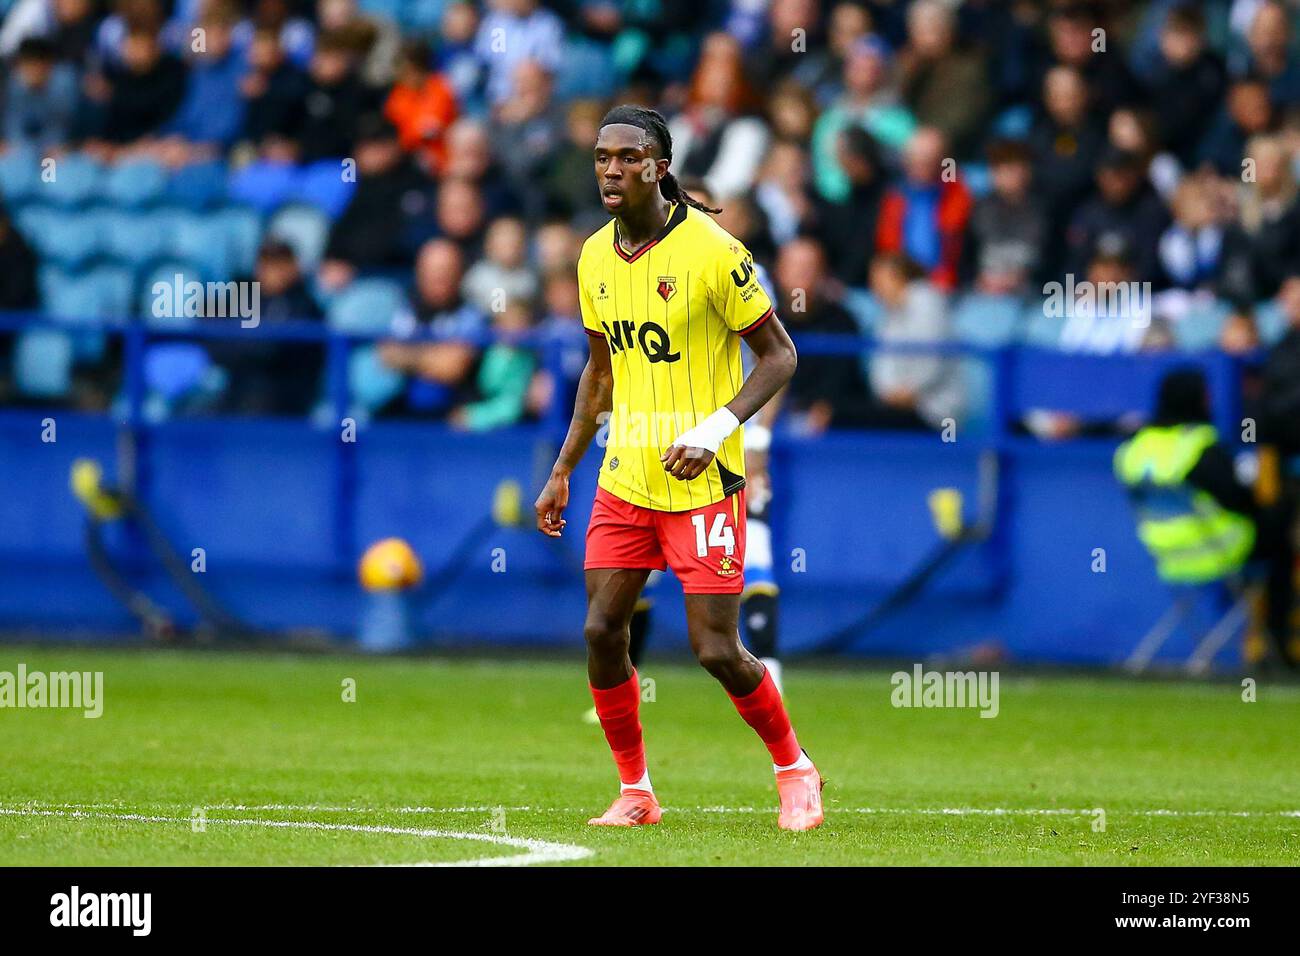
x=617 y=709
x=764 y=710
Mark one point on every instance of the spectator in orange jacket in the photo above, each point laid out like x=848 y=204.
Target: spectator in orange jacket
x=926 y=215
x=421 y=106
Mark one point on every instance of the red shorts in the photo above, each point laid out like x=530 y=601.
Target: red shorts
x=705 y=547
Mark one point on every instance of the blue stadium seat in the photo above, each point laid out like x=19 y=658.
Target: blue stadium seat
x=1271 y=322
x=264 y=186
x=986 y=320
x=82 y=300
x=1041 y=330
x=61 y=236
x=244 y=232
x=371 y=383
x=134 y=184
x=79 y=297
x=20 y=176
x=114 y=287
x=197 y=186
x=322 y=185
x=1199 y=328
x=305 y=228
x=204 y=240
x=65 y=295
x=135 y=240
x=366 y=307
x=43 y=363
x=422 y=16
x=77 y=180
x=174 y=370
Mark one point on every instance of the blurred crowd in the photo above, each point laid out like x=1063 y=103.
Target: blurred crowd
x=884 y=160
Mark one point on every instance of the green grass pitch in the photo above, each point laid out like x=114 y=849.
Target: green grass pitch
x=457 y=761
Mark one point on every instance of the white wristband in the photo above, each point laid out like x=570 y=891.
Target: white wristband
x=711 y=432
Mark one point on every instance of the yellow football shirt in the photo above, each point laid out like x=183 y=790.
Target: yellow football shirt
x=672 y=314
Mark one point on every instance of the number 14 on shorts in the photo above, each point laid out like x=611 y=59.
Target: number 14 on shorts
x=720 y=535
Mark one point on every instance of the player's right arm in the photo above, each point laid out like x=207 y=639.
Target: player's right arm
x=595 y=395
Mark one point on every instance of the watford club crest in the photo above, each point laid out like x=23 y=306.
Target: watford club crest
x=667 y=287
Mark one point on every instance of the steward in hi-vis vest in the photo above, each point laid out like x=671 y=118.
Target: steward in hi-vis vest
x=1194 y=516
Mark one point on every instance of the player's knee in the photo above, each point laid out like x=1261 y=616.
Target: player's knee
x=605 y=635
x=719 y=657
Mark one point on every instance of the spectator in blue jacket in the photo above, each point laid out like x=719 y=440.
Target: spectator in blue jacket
x=212 y=114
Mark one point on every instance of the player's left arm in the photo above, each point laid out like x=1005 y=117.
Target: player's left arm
x=775 y=362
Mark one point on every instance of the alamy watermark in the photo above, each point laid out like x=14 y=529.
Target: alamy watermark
x=130 y=910
x=922 y=688
x=626 y=428
x=78 y=690
x=191 y=299
x=1086 y=299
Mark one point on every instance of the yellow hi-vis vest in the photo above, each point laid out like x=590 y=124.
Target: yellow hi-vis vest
x=1192 y=537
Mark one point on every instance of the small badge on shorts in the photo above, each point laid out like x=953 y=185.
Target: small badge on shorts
x=726 y=570
x=613 y=463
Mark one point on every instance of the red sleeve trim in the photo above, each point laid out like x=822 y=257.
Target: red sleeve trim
x=599 y=335
x=756 y=323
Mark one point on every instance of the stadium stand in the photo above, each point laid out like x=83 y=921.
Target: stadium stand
x=999 y=148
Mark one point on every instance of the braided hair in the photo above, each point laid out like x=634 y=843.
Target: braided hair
x=657 y=128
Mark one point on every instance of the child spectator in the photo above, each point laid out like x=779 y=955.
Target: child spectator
x=274 y=92
x=910 y=390
x=501 y=384
x=41 y=97
x=502 y=275
x=1008 y=226
x=1191 y=247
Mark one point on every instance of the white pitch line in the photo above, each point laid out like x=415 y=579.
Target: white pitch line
x=539 y=851
x=491 y=808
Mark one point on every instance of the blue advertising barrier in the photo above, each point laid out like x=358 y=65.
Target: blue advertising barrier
x=282 y=509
